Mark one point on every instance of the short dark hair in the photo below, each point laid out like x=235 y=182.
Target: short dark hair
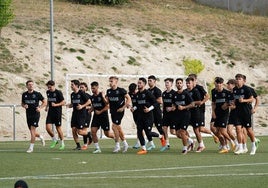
x=152 y=77
x=231 y=81
x=219 y=80
x=132 y=87
x=94 y=84
x=190 y=78
x=239 y=76
x=113 y=77
x=84 y=84
x=169 y=79
x=28 y=81
x=193 y=75
x=76 y=82
x=143 y=80
x=179 y=79
x=20 y=184
x=50 y=83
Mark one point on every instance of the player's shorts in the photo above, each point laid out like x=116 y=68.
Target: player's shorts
x=54 y=119
x=33 y=120
x=117 y=117
x=78 y=120
x=244 y=120
x=221 y=122
x=88 y=119
x=101 y=120
x=169 y=120
x=183 y=122
x=195 y=121
x=202 y=118
x=232 y=118
x=158 y=119
x=212 y=120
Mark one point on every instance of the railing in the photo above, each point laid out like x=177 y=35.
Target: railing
x=18 y=122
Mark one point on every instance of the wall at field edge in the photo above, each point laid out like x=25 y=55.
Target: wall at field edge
x=254 y=7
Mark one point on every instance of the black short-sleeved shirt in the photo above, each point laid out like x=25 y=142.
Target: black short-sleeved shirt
x=116 y=98
x=195 y=94
x=219 y=98
x=183 y=99
x=144 y=99
x=32 y=100
x=202 y=92
x=157 y=93
x=133 y=97
x=167 y=97
x=245 y=93
x=55 y=97
x=79 y=98
x=98 y=102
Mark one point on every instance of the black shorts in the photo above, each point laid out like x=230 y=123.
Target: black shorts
x=195 y=121
x=102 y=121
x=221 y=121
x=78 y=120
x=232 y=118
x=158 y=119
x=183 y=121
x=244 y=119
x=88 y=119
x=117 y=117
x=33 y=120
x=202 y=118
x=54 y=119
x=169 y=120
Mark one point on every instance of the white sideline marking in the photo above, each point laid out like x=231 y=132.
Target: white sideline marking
x=71 y=175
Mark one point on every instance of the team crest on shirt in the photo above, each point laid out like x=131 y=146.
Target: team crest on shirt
x=117 y=91
x=143 y=95
x=183 y=96
x=99 y=99
x=242 y=90
x=34 y=96
x=78 y=96
x=54 y=95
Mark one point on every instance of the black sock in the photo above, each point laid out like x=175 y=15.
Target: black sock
x=89 y=137
x=85 y=139
x=78 y=145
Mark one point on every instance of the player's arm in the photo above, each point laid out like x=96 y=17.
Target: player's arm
x=213 y=107
x=257 y=103
x=205 y=99
x=249 y=100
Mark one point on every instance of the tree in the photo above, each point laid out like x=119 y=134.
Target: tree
x=6 y=13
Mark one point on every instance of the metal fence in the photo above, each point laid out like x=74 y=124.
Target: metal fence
x=13 y=124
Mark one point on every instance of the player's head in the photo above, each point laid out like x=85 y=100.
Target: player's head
x=94 y=87
x=190 y=83
x=193 y=75
x=50 y=85
x=113 y=81
x=142 y=83
x=132 y=88
x=20 y=184
x=151 y=80
x=179 y=83
x=29 y=85
x=83 y=86
x=231 y=84
x=218 y=81
x=75 y=84
x=168 y=82
x=240 y=79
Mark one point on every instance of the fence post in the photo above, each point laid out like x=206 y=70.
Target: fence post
x=14 y=122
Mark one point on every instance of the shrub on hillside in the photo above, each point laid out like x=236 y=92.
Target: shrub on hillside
x=101 y=2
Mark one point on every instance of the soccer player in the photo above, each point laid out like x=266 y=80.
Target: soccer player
x=220 y=112
x=79 y=102
x=100 y=117
x=145 y=103
x=168 y=115
x=118 y=100
x=182 y=102
x=253 y=110
x=232 y=112
x=132 y=91
x=195 y=112
x=86 y=138
x=243 y=99
x=30 y=101
x=54 y=116
x=158 y=118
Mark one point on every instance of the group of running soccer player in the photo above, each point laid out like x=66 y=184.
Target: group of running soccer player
x=171 y=109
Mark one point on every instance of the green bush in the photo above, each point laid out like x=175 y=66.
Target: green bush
x=192 y=66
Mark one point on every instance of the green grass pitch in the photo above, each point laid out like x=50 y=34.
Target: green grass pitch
x=47 y=167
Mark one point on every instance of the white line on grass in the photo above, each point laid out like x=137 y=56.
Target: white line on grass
x=71 y=175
